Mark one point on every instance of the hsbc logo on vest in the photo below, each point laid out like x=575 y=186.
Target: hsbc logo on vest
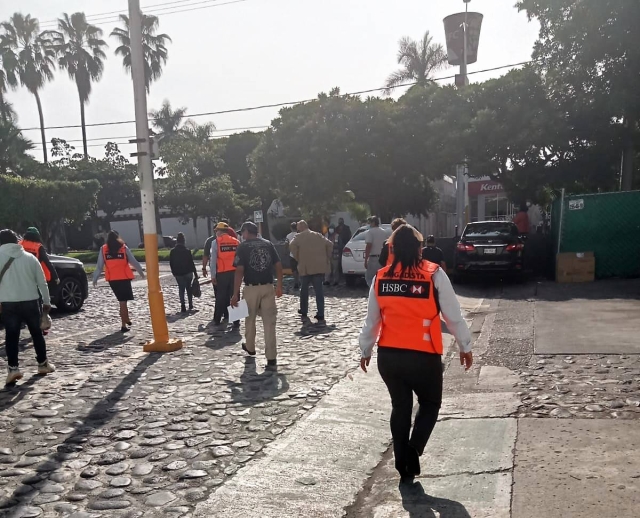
x=404 y=288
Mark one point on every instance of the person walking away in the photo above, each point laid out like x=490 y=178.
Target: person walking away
x=333 y=276
x=521 y=220
x=223 y=252
x=344 y=232
x=184 y=270
x=433 y=254
x=294 y=264
x=374 y=239
x=255 y=262
x=22 y=285
x=115 y=258
x=313 y=253
x=386 y=254
x=32 y=243
x=403 y=314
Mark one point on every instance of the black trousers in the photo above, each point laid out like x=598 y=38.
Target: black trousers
x=405 y=372
x=14 y=314
x=224 y=292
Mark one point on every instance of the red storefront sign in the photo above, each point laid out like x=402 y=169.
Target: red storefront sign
x=484 y=187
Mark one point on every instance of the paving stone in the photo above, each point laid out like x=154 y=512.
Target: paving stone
x=87 y=485
x=193 y=473
x=27 y=512
x=112 y=493
x=160 y=499
x=176 y=465
x=120 y=482
x=143 y=469
x=117 y=469
x=106 y=505
x=45 y=499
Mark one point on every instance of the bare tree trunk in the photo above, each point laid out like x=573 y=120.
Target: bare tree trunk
x=84 y=129
x=44 y=138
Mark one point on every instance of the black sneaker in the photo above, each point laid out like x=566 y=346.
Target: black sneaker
x=244 y=348
x=183 y=309
x=236 y=325
x=124 y=329
x=272 y=363
x=296 y=286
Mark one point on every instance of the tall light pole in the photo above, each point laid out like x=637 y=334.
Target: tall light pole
x=458 y=54
x=161 y=341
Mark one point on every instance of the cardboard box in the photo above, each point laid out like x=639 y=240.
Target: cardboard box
x=575 y=267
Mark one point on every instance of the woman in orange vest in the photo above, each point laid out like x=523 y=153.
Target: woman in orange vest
x=114 y=258
x=405 y=302
x=32 y=243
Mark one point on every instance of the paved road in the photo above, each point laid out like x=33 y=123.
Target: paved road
x=116 y=432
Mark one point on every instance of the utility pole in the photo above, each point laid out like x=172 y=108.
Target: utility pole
x=161 y=341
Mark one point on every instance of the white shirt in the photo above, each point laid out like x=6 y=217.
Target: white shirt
x=289 y=238
x=376 y=237
x=449 y=307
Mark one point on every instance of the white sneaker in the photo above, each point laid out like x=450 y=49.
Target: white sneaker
x=13 y=375
x=46 y=368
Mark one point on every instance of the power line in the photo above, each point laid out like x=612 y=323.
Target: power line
x=164 y=11
x=278 y=105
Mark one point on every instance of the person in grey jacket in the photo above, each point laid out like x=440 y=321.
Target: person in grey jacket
x=22 y=283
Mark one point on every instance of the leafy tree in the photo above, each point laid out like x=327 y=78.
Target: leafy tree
x=236 y=154
x=31 y=52
x=588 y=51
x=25 y=202
x=419 y=60
x=201 y=133
x=194 y=184
x=81 y=54
x=316 y=151
x=154 y=47
x=13 y=147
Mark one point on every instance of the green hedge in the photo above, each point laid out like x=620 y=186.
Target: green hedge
x=92 y=256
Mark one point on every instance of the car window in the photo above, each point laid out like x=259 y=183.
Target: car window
x=359 y=235
x=490 y=230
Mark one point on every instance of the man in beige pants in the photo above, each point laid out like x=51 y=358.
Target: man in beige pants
x=255 y=261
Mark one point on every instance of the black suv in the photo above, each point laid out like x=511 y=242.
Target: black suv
x=73 y=290
x=489 y=246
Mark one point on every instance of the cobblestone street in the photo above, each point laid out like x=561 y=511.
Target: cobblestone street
x=118 y=432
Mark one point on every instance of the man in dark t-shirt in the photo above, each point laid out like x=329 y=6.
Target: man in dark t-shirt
x=255 y=261
x=433 y=254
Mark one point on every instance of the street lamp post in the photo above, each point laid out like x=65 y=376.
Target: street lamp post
x=161 y=341
x=458 y=54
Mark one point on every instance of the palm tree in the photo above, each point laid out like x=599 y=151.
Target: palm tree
x=8 y=76
x=13 y=146
x=200 y=133
x=33 y=56
x=80 y=53
x=419 y=61
x=166 y=121
x=153 y=45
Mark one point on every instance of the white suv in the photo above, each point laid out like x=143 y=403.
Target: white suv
x=353 y=255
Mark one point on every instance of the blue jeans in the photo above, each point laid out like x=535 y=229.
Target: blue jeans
x=316 y=281
x=184 y=284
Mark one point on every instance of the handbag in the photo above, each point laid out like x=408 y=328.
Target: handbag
x=45 y=322
x=195 y=288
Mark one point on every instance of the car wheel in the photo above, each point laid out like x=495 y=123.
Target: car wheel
x=69 y=297
x=350 y=280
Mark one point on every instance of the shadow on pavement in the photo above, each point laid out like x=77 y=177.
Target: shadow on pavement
x=100 y=415
x=12 y=394
x=99 y=344
x=255 y=387
x=421 y=505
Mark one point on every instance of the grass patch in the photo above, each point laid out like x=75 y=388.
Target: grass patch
x=89 y=270
x=89 y=256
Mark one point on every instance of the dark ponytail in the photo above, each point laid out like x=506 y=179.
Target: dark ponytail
x=406 y=250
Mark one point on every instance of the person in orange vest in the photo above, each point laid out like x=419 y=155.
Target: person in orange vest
x=405 y=302
x=223 y=252
x=32 y=243
x=114 y=258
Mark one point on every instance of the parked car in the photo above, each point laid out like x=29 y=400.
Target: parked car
x=489 y=246
x=73 y=290
x=353 y=255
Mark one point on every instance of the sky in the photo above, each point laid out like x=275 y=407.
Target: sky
x=256 y=52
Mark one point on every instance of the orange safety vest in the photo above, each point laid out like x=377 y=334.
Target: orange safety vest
x=34 y=248
x=227 y=247
x=391 y=256
x=116 y=267
x=409 y=309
